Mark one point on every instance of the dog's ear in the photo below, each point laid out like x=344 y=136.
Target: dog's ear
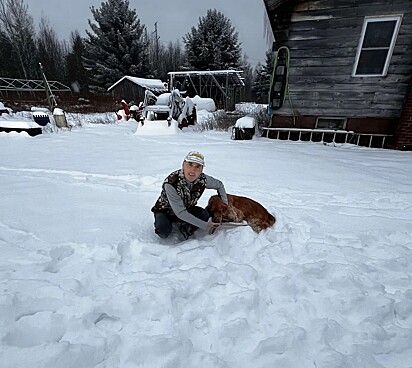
x=216 y=208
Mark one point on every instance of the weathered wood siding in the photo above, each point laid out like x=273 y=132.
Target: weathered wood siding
x=128 y=91
x=323 y=37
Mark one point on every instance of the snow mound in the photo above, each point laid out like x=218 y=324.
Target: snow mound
x=245 y=122
x=157 y=127
x=204 y=103
x=201 y=103
x=250 y=107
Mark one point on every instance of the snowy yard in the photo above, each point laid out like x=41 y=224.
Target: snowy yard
x=85 y=282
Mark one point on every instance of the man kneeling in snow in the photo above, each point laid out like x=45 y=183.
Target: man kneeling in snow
x=181 y=191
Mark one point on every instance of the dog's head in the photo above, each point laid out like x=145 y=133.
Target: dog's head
x=216 y=209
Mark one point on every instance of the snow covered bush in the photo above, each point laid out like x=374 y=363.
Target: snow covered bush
x=219 y=120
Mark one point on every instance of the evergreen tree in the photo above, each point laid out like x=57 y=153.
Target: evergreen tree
x=261 y=84
x=213 y=45
x=76 y=74
x=116 y=45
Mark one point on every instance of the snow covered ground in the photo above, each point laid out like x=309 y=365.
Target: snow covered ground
x=85 y=282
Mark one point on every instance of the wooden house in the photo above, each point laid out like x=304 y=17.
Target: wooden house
x=133 y=88
x=349 y=70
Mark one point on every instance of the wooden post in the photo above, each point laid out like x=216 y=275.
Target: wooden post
x=46 y=87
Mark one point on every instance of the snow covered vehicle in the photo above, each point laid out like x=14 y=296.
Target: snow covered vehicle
x=154 y=110
x=156 y=117
x=157 y=113
x=168 y=107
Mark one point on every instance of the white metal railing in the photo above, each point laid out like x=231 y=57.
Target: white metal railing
x=29 y=85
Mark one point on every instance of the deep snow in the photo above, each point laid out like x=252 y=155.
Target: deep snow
x=86 y=283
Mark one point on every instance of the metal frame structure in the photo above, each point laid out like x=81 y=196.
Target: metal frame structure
x=225 y=87
x=29 y=85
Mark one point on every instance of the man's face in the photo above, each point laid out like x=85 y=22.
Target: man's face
x=191 y=171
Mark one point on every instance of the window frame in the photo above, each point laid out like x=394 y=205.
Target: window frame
x=371 y=19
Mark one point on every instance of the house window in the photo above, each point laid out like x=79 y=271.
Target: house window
x=331 y=123
x=376 y=46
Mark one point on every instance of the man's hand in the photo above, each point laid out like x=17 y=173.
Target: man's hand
x=212 y=226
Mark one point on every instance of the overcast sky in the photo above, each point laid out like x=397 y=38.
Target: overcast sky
x=174 y=18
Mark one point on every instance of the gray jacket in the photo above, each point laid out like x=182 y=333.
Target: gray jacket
x=179 y=208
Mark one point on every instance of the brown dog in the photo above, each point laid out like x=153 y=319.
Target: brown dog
x=240 y=209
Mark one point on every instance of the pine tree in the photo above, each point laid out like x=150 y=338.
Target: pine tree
x=116 y=45
x=214 y=44
x=261 y=84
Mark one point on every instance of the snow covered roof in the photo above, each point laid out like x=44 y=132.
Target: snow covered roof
x=154 y=85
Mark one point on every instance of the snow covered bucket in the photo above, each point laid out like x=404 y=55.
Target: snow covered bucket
x=244 y=128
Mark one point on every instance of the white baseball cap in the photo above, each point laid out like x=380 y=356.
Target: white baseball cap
x=195 y=157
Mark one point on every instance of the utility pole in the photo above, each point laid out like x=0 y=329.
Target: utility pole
x=157 y=46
